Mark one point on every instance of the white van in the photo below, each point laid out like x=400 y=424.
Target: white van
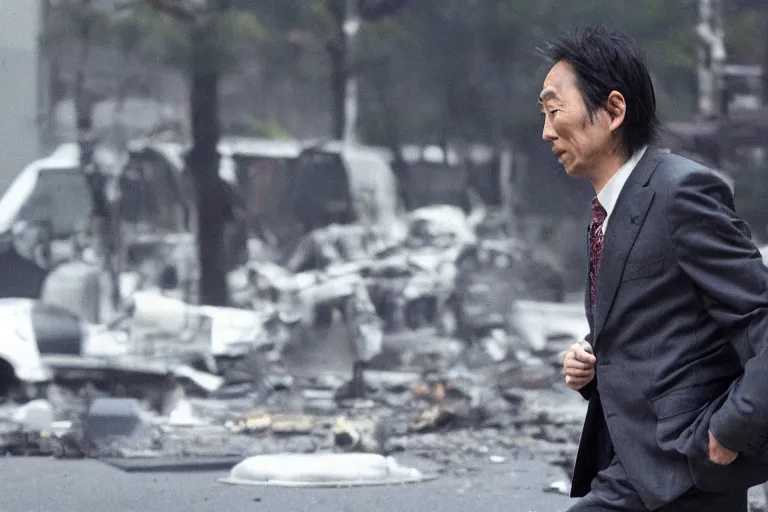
x=340 y=184
x=50 y=191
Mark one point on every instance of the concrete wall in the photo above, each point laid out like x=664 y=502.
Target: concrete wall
x=19 y=135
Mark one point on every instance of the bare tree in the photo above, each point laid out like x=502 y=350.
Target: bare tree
x=210 y=29
x=85 y=25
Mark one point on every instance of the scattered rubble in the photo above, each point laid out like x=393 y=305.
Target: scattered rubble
x=458 y=424
x=364 y=435
x=559 y=487
x=450 y=363
x=109 y=418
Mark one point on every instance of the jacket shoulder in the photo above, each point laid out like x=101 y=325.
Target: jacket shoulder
x=674 y=170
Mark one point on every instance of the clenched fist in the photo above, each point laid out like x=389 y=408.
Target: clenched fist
x=579 y=365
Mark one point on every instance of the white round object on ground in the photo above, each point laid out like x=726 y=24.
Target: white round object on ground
x=322 y=470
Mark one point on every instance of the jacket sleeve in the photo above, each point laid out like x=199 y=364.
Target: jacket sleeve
x=713 y=247
x=588 y=389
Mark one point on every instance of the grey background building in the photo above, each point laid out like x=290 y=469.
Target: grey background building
x=21 y=91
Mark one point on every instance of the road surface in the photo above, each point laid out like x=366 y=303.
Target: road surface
x=48 y=485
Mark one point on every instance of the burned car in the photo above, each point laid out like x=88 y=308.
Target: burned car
x=340 y=184
x=307 y=299
x=337 y=244
x=22 y=372
x=321 y=274
x=503 y=285
x=412 y=285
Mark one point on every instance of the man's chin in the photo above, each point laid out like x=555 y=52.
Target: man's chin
x=573 y=171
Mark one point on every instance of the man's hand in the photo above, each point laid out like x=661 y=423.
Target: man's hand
x=718 y=453
x=579 y=365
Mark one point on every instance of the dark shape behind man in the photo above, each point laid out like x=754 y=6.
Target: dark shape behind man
x=20 y=275
x=675 y=367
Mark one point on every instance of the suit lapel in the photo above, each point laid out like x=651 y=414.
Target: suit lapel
x=623 y=227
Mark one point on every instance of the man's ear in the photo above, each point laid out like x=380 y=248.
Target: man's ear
x=616 y=106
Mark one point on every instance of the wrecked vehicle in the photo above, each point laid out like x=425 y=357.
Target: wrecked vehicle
x=538 y=270
x=309 y=297
x=487 y=286
x=265 y=172
x=46 y=206
x=508 y=288
x=51 y=192
x=321 y=275
x=223 y=333
x=23 y=376
x=52 y=345
x=337 y=244
x=284 y=191
x=157 y=196
x=281 y=190
x=157 y=341
x=339 y=184
x=409 y=294
x=412 y=285
x=163 y=262
x=22 y=267
x=431 y=176
x=439 y=226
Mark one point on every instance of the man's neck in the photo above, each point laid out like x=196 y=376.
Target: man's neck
x=605 y=170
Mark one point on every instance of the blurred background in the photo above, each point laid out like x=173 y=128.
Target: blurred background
x=217 y=205
x=458 y=78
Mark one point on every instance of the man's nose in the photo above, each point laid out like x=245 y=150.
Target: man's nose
x=548 y=133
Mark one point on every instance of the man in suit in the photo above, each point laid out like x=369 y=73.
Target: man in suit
x=676 y=366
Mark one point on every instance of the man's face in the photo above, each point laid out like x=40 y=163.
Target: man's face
x=577 y=141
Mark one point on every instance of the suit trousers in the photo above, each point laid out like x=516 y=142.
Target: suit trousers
x=612 y=491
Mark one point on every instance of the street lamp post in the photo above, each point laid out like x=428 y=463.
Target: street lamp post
x=351 y=27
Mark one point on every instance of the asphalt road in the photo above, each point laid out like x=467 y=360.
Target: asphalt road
x=48 y=485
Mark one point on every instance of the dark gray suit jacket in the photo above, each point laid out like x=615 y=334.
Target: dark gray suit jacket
x=679 y=332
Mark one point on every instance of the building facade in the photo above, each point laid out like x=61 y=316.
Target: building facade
x=21 y=86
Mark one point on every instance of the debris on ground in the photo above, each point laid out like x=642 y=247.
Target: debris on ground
x=362 y=435
x=450 y=361
x=559 y=487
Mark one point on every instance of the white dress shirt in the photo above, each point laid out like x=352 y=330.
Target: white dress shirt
x=610 y=192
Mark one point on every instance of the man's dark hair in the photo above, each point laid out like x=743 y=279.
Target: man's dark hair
x=606 y=61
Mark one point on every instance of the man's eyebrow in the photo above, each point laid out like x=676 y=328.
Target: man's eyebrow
x=547 y=94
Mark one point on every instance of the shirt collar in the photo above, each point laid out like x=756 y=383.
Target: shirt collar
x=609 y=195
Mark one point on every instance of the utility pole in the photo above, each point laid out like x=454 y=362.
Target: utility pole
x=508 y=197
x=712 y=57
x=713 y=99
x=351 y=28
x=765 y=58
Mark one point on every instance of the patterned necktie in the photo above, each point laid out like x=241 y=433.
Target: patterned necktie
x=595 y=247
